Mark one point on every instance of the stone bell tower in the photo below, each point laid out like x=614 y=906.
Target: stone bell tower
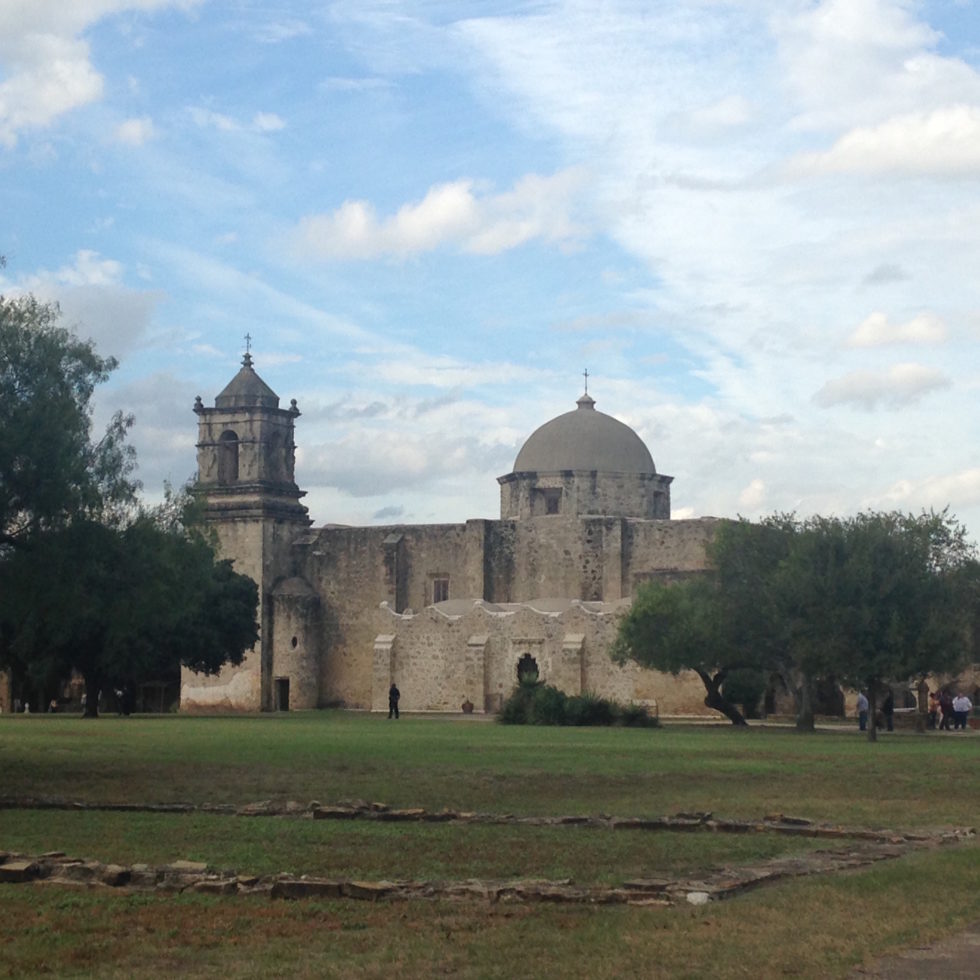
x=245 y=459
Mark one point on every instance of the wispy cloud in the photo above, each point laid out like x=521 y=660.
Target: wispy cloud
x=900 y=385
x=135 y=132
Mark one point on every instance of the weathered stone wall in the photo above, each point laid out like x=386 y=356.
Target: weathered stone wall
x=652 y=549
x=354 y=570
x=265 y=444
x=259 y=548
x=589 y=558
x=469 y=651
x=296 y=633
x=583 y=492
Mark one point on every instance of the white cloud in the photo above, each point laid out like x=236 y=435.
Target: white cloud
x=48 y=76
x=453 y=214
x=853 y=63
x=900 y=385
x=47 y=65
x=88 y=269
x=95 y=302
x=135 y=132
x=956 y=490
x=753 y=496
x=877 y=331
x=942 y=142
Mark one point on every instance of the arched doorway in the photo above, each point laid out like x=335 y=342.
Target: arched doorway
x=228 y=458
x=527 y=670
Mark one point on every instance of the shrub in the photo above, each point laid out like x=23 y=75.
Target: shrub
x=535 y=703
x=590 y=709
x=516 y=709
x=548 y=706
x=637 y=716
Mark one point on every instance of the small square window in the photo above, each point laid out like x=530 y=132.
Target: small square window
x=440 y=590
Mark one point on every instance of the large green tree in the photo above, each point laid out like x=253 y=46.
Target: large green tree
x=121 y=605
x=881 y=597
x=870 y=599
x=682 y=626
x=51 y=469
x=88 y=581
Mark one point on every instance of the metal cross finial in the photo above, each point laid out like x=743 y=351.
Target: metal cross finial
x=248 y=343
x=586 y=373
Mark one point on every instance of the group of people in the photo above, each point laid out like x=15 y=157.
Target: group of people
x=945 y=709
x=886 y=713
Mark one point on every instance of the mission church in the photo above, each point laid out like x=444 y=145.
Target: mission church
x=452 y=614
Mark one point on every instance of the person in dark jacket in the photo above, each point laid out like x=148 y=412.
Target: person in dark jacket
x=946 y=706
x=393 y=695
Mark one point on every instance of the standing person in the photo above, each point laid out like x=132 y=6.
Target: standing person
x=962 y=706
x=862 y=708
x=393 y=695
x=946 y=707
x=933 y=709
x=888 y=710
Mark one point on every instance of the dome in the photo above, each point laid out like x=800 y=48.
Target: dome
x=584 y=439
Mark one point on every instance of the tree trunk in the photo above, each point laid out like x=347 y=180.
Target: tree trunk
x=716 y=700
x=804 y=705
x=922 y=705
x=93 y=687
x=873 y=710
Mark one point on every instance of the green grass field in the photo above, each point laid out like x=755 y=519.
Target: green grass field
x=820 y=927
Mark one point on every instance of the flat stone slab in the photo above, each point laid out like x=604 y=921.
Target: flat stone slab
x=17 y=871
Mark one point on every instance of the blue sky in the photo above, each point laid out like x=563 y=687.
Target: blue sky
x=754 y=223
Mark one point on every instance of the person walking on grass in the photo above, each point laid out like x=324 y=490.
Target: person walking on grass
x=888 y=711
x=946 y=706
x=962 y=706
x=862 y=710
x=393 y=695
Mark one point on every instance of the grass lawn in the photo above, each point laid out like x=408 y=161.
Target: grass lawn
x=819 y=927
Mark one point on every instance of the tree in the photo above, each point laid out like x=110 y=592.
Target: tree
x=872 y=598
x=121 y=604
x=88 y=581
x=682 y=626
x=882 y=597
x=50 y=469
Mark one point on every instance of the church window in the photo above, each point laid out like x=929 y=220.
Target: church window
x=228 y=458
x=546 y=501
x=440 y=589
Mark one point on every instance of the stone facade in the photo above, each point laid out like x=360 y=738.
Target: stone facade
x=444 y=611
x=469 y=650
